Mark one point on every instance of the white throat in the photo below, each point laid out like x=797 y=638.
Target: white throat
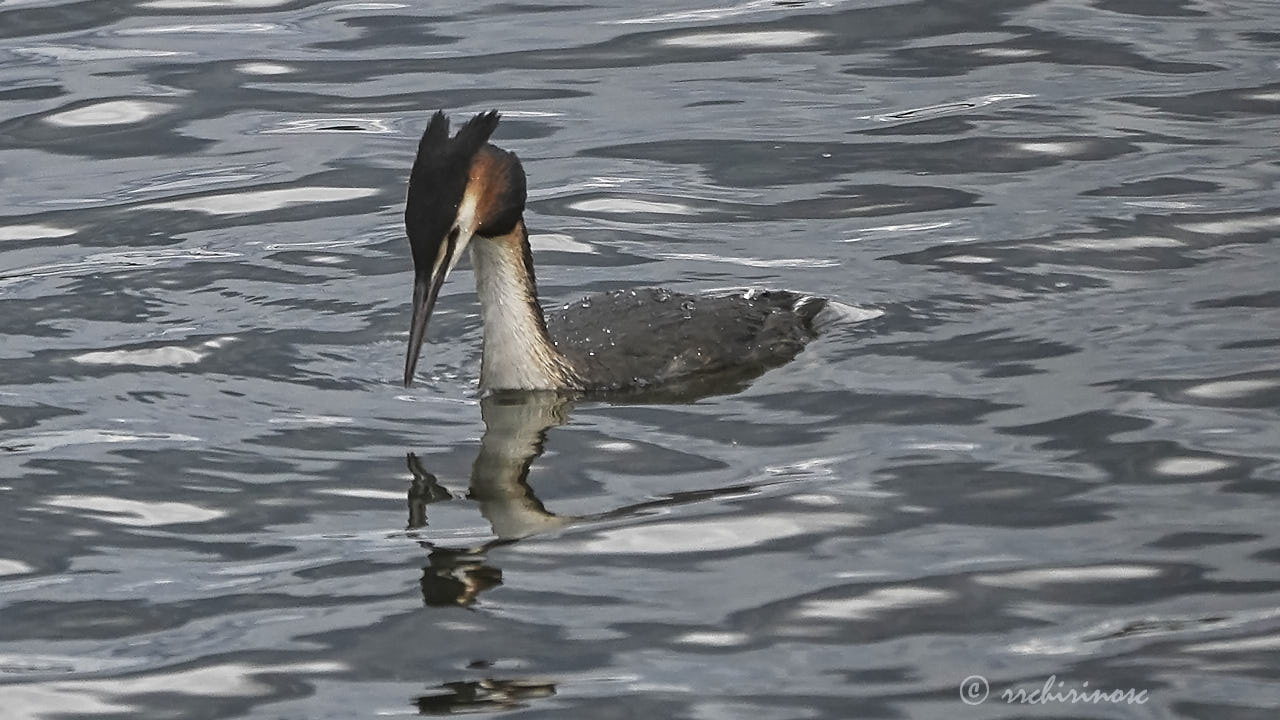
x=517 y=353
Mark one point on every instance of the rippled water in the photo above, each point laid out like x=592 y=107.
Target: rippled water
x=1051 y=449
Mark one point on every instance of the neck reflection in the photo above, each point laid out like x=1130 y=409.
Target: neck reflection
x=516 y=426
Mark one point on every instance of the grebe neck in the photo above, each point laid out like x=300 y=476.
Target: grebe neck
x=518 y=352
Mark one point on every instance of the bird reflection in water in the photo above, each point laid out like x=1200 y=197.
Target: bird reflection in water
x=456 y=577
x=483 y=696
x=516 y=426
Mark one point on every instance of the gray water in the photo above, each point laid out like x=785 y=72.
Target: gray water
x=1044 y=448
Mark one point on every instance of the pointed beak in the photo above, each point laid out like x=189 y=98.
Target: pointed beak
x=426 y=288
x=425 y=292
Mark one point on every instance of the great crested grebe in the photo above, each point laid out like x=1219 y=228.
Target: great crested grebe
x=465 y=191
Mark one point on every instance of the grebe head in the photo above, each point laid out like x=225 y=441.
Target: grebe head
x=460 y=187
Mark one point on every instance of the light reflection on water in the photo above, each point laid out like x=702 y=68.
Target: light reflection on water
x=1047 y=445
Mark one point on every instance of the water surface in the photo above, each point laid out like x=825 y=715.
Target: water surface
x=1049 y=448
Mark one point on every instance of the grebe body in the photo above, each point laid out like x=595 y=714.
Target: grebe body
x=652 y=339
x=465 y=192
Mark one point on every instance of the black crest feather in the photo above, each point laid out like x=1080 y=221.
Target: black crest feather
x=436 y=135
x=438 y=153
x=476 y=132
x=439 y=178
